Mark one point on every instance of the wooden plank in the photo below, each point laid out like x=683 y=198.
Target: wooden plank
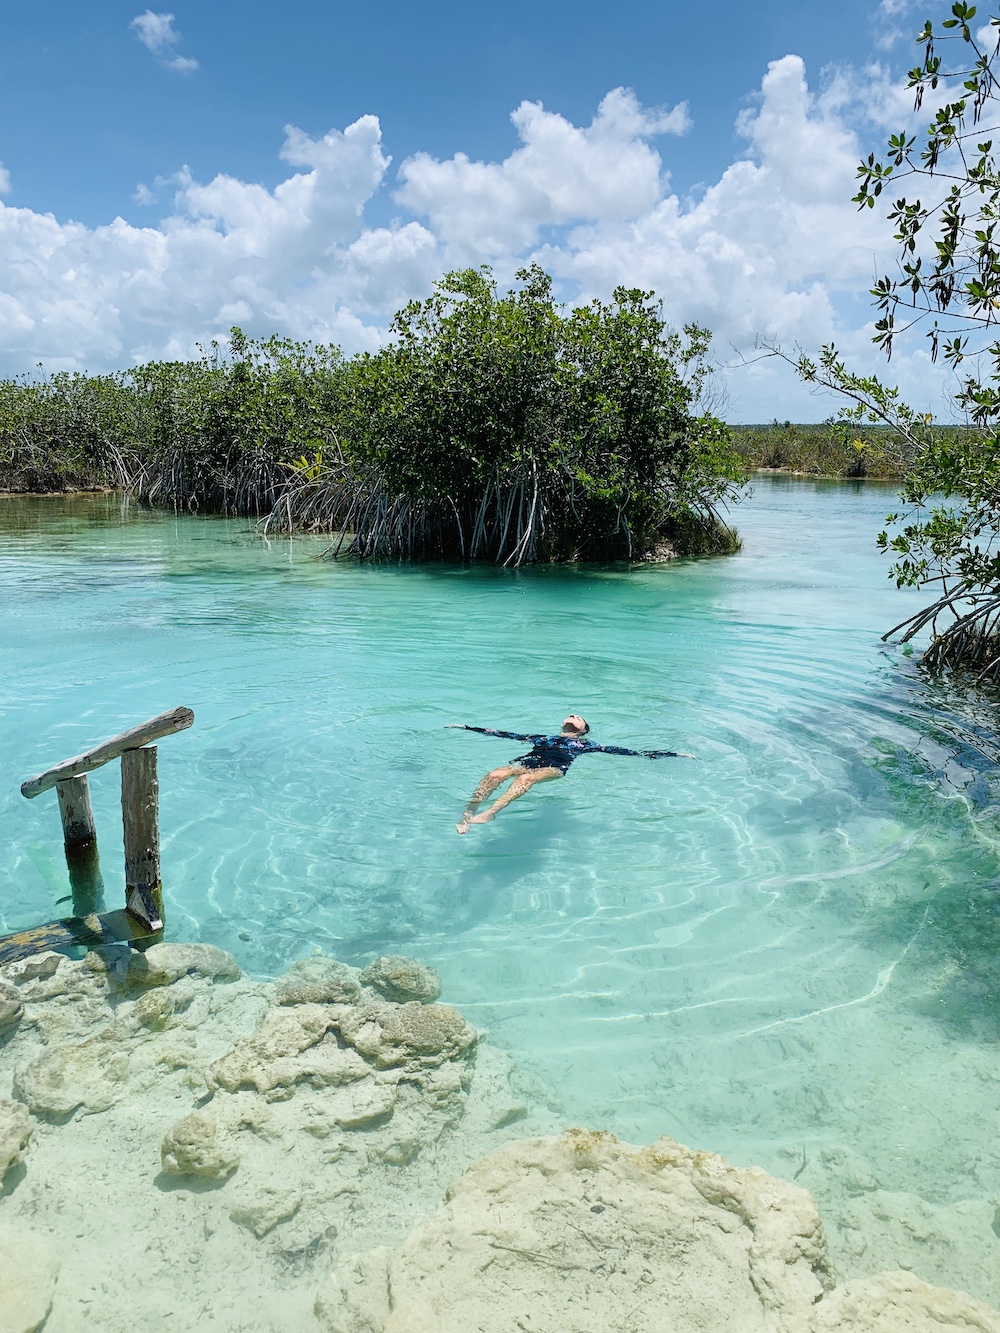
x=140 y=820
x=89 y=931
x=162 y=725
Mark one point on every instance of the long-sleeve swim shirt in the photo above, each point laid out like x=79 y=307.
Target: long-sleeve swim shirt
x=560 y=751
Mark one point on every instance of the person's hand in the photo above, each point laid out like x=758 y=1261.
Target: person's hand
x=449 y=726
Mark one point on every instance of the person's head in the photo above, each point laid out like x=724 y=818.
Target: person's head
x=575 y=725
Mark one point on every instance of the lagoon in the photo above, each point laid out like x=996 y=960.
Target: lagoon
x=786 y=952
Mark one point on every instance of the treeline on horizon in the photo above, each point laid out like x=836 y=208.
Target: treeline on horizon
x=839 y=448
x=491 y=426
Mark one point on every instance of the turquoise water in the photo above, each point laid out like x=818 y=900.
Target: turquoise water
x=788 y=944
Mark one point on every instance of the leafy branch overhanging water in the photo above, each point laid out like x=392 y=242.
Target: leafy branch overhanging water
x=947 y=284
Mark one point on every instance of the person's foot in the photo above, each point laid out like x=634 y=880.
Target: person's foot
x=484 y=818
x=463 y=827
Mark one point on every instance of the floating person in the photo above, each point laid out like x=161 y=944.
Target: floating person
x=549 y=758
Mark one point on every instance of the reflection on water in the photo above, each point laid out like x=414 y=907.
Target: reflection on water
x=789 y=945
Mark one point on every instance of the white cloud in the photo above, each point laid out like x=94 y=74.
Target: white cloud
x=159 y=36
x=561 y=173
x=773 y=246
x=4 y=180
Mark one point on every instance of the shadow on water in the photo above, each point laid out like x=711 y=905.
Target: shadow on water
x=499 y=863
x=516 y=850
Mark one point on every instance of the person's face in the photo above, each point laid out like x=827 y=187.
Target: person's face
x=575 y=723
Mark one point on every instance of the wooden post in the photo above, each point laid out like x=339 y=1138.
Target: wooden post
x=80 y=840
x=75 y=811
x=140 y=793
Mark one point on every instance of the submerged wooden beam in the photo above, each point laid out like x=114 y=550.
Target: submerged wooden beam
x=95 y=929
x=140 y=820
x=162 y=725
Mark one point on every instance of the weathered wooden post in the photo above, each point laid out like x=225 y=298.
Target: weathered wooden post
x=140 y=817
x=80 y=843
x=142 y=917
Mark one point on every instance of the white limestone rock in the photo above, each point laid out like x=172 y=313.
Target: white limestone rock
x=155 y=1009
x=270 y=1206
x=11 y=1009
x=15 y=1131
x=37 y=966
x=163 y=964
x=421 y=1035
x=583 y=1223
x=318 y=980
x=194 y=1147
x=292 y=1044
x=363 y=1104
x=87 y=1076
x=901 y=1303
x=550 y=1234
x=28 y=1272
x=401 y=979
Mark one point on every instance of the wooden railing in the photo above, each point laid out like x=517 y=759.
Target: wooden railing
x=142 y=917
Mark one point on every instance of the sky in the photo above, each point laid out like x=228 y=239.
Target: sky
x=306 y=168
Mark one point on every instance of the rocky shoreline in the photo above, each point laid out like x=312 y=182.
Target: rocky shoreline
x=183 y=1146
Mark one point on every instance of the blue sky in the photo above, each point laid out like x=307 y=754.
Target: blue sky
x=720 y=174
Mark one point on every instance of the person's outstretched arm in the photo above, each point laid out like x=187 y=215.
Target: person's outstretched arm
x=492 y=731
x=640 y=754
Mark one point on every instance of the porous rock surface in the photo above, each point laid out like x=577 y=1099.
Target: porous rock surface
x=224 y=1136
x=193 y=1148
x=399 y=978
x=271 y=1158
x=15 y=1131
x=901 y=1303
x=588 y=1233
x=11 y=1008
x=318 y=980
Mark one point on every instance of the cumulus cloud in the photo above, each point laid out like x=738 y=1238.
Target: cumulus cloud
x=773 y=246
x=607 y=171
x=159 y=36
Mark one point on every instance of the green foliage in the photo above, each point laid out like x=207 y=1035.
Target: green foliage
x=834 y=448
x=500 y=427
x=490 y=426
x=69 y=431
x=948 y=285
x=208 y=433
x=216 y=431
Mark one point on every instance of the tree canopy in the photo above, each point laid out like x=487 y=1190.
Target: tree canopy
x=490 y=426
x=501 y=427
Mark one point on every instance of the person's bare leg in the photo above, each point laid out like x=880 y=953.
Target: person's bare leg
x=487 y=787
x=517 y=788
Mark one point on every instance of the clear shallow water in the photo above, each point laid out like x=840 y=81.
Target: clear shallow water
x=789 y=945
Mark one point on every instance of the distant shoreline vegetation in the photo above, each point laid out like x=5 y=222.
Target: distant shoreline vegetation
x=491 y=427
x=842 y=449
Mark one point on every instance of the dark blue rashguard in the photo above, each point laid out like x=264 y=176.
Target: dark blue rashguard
x=560 y=751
